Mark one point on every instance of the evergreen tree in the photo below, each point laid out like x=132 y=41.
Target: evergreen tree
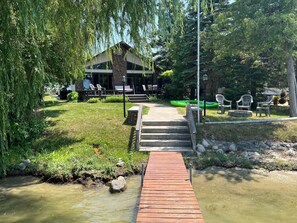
x=256 y=28
x=184 y=51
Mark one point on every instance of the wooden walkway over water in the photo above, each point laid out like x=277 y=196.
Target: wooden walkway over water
x=167 y=194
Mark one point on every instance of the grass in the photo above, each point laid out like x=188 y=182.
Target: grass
x=212 y=158
x=280 y=131
x=65 y=150
x=212 y=114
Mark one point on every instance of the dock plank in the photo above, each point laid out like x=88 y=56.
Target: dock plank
x=167 y=194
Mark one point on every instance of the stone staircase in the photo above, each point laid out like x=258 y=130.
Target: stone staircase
x=136 y=98
x=165 y=136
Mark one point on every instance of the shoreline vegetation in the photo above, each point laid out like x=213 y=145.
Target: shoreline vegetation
x=91 y=144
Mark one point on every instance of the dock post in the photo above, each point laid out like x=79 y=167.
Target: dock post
x=142 y=174
x=191 y=179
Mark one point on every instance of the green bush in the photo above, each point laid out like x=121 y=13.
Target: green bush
x=157 y=100
x=115 y=99
x=93 y=100
x=72 y=96
x=26 y=131
x=49 y=100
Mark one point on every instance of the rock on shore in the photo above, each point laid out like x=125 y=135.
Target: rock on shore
x=118 y=185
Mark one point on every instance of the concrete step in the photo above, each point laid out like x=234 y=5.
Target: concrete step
x=135 y=98
x=165 y=123
x=136 y=95
x=169 y=149
x=165 y=129
x=139 y=100
x=165 y=143
x=160 y=136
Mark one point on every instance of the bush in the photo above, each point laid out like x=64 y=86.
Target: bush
x=72 y=96
x=26 y=131
x=49 y=100
x=93 y=100
x=115 y=99
x=156 y=100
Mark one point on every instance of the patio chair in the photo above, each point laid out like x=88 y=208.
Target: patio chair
x=264 y=106
x=144 y=88
x=244 y=102
x=119 y=88
x=93 y=88
x=150 y=88
x=101 y=90
x=221 y=99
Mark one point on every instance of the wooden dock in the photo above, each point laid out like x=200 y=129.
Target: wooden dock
x=167 y=194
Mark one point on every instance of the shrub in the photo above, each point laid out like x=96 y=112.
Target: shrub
x=276 y=100
x=156 y=100
x=72 y=96
x=115 y=99
x=93 y=100
x=49 y=100
x=26 y=131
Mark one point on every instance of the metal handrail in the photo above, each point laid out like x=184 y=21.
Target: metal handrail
x=138 y=126
x=192 y=126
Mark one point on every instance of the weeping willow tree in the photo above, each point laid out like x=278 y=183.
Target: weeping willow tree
x=42 y=40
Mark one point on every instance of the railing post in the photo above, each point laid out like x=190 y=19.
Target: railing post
x=138 y=126
x=142 y=174
x=191 y=178
x=191 y=124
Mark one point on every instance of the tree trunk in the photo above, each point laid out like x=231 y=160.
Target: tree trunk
x=292 y=86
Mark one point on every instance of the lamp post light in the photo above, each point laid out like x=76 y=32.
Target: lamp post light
x=124 y=97
x=205 y=78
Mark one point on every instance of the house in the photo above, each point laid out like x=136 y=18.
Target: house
x=108 y=68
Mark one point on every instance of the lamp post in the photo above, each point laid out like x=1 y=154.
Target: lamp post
x=124 y=97
x=198 y=62
x=205 y=78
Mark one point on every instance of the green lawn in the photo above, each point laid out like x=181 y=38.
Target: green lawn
x=212 y=114
x=281 y=131
x=65 y=150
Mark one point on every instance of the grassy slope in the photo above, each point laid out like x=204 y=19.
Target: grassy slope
x=212 y=115
x=66 y=148
x=282 y=131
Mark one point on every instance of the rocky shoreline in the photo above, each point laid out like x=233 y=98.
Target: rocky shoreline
x=252 y=154
x=267 y=154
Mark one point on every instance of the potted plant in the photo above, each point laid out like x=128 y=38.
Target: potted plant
x=283 y=97
x=275 y=100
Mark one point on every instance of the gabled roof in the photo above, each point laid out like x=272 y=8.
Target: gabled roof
x=122 y=44
x=131 y=56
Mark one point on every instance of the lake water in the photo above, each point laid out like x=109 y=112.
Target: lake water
x=243 y=196
x=225 y=196
x=26 y=200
